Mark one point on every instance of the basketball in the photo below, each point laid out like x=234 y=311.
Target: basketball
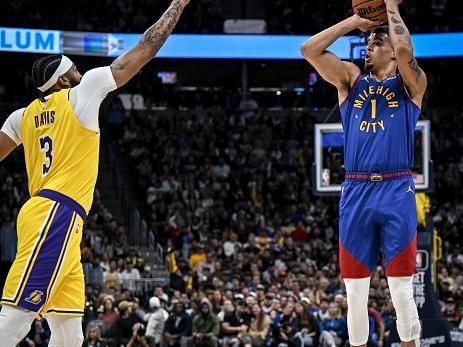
x=370 y=9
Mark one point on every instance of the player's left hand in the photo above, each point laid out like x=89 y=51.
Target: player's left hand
x=364 y=24
x=393 y=2
x=184 y=2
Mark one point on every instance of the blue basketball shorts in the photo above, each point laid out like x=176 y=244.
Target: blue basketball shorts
x=377 y=217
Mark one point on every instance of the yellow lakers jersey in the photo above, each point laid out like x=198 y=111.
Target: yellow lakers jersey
x=61 y=154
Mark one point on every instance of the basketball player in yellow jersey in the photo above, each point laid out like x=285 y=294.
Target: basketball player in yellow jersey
x=60 y=135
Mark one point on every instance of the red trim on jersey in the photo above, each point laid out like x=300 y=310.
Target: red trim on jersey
x=350 y=266
x=377 y=177
x=404 y=264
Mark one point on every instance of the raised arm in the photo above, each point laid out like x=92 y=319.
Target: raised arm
x=339 y=73
x=7 y=145
x=129 y=63
x=10 y=134
x=414 y=78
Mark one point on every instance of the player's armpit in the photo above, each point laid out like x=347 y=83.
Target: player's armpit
x=7 y=145
x=339 y=73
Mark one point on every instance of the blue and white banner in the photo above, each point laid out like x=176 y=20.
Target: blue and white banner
x=208 y=46
x=30 y=40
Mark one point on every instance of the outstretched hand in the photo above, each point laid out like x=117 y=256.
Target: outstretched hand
x=184 y=2
x=365 y=24
x=397 y=2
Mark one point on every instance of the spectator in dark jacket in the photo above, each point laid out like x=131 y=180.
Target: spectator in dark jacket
x=308 y=330
x=122 y=329
x=178 y=326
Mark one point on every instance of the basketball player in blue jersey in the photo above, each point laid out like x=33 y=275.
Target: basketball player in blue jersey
x=379 y=111
x=60 y=135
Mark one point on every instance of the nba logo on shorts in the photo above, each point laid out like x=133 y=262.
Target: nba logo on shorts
x=35 y=297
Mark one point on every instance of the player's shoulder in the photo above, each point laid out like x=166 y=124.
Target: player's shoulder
x=90 y=92
x=17 y=114
x=100 y=76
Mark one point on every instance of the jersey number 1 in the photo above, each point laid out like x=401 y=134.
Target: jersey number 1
x=373 y=108
x=46 y=147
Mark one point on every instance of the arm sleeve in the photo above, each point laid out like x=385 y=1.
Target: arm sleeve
x=12 y=126
x=87 y=97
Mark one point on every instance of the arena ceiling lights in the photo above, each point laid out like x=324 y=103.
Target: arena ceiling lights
x=284 y=47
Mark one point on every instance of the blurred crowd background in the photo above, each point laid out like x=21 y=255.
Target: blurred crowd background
x=223 y=178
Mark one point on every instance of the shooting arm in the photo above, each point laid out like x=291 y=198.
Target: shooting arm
x=329 y=66
x=413 y=76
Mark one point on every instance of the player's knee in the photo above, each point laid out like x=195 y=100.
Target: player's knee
x=73 y=331
x=356 y=298
x=70 y=339
x=14 y=325
x=77 y=340
x=65 y=331
x=408 y=324
x=57 y=338
x=401 y=288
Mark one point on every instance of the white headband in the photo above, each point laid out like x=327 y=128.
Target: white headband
x=63 y=67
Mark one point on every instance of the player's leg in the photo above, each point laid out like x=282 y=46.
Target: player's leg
x=398 y=242
x=359 y=249
x=65 y=306
x=15 y=323
x=33 y=225
x=357 y=314
x=66 y=331
x=408 y=324
x=23 y=296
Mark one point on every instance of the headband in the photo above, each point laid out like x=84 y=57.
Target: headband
x=63 y=67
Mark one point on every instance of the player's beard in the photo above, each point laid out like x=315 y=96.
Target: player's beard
x=368 y=66
x=74 y=82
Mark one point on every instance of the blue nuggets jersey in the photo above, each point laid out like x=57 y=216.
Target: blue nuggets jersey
x=379 y=121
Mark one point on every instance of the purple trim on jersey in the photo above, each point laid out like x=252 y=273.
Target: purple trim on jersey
x=34 y=295
x=351 y=90
x=65 y=200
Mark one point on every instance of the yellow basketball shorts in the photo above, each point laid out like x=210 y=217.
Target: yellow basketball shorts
x=46 y=276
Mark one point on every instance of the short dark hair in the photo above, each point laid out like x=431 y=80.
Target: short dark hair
x=44 y=68
x=384 y=29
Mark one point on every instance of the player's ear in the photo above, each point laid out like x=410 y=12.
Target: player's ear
x=64 y=82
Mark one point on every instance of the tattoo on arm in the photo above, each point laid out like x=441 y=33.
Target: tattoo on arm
x=399 y=30
x=160 y=31
x=117 y=66
x=413 y=64
x=391 y=12
x=395 y=21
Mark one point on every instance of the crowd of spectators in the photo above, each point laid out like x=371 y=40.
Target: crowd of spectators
x=228 y=192
x=207 y=16
x=252 y=253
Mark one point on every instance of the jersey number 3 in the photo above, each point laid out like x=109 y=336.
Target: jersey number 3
x=46 y=147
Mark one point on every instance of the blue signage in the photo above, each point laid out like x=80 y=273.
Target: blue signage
x=208 y=46
x=30 y=40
